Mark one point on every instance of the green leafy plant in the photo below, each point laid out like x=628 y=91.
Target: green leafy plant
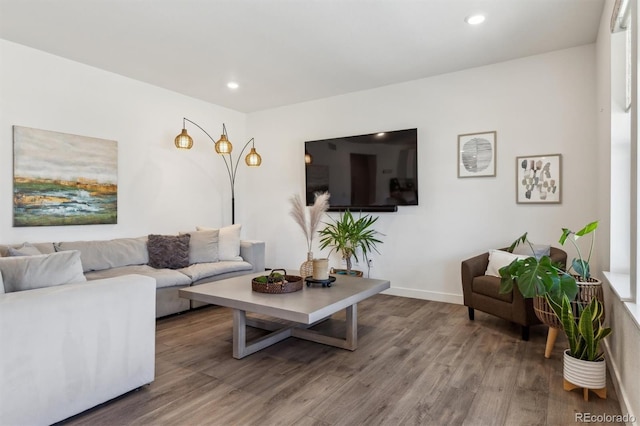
x=534 y=277
x=580 y=265
x=537 y=277
x=274 y=277
x=584 y=331
x=347 y=235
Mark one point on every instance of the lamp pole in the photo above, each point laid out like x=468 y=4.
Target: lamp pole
x=223 y=147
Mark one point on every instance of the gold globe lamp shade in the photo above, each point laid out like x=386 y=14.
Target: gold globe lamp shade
x=308 y=159
x=223 y=145
x=253 y=159
x=183 y=140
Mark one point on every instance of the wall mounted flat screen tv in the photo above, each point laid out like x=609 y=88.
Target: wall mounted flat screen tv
x=374 y=172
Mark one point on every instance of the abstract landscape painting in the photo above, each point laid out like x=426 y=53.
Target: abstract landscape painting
x=63 y=179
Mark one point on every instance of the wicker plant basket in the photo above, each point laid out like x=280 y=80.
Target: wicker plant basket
x=290 y=283
x=586 y=292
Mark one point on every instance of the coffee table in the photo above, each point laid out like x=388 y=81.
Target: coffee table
x=301 y=310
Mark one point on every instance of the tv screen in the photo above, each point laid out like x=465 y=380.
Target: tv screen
x=374 y=172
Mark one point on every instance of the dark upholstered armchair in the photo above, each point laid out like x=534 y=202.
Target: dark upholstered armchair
x=481 y=292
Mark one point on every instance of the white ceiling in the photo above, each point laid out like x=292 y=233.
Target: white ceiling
x=288 y=51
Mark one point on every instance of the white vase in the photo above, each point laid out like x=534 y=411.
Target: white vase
x=585 y=374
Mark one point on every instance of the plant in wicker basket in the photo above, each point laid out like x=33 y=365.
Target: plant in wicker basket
x=548 y=284
x=573 y=303
x=540 y=277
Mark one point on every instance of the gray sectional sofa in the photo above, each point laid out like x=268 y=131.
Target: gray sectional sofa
x=210 y=259
x=77 y=318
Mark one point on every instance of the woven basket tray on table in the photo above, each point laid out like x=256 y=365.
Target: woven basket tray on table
x=275 y=284
x=586 y=292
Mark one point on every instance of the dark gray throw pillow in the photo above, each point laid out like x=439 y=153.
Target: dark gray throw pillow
x=168 y=251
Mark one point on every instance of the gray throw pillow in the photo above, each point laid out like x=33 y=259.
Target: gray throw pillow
x=538 y=251
x=25 y=249
x=44 y=270
x=203 y=246
x=228 y=241
x=168 y=251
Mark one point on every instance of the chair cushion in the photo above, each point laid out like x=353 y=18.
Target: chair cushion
x=499 y=259
x=489 y=286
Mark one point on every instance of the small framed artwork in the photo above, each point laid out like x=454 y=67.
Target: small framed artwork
x=477 y=154
x=539 y=179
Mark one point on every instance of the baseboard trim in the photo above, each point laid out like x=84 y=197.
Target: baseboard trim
x=425 y=295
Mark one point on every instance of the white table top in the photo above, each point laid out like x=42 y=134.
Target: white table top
x=306 y=306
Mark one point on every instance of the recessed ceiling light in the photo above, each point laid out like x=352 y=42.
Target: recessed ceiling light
x=380 y=134
x=474 y=19
x=233 y=85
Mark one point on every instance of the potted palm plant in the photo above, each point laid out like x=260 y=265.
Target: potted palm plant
x=348 y=235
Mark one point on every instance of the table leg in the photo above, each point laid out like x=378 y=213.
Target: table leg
x=350 y=342
x=279 y=332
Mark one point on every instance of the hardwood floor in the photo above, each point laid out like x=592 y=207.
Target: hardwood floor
x=417 y=363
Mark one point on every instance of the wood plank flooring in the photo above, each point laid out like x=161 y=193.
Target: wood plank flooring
x=418 y=363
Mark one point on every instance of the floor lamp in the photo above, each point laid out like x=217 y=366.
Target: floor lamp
x=223 y=147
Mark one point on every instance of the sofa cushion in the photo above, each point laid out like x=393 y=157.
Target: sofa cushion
x=99 y=255
x=204 y=270
x=203 y=246
x=44 y=270
x=168 y=251
x=43 y=248
x=489 y=286
x=500 y=258
x=163 y=277
x=25 y=249
x=228 y=241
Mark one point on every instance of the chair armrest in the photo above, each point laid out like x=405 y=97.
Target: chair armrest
x=471 y=268
x=558 y=256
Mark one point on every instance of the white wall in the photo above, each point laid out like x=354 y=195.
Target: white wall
x=538 y=105
x=623 y=345
x=161 y=189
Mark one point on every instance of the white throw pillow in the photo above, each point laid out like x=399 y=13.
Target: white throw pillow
x=539 y=250
x=228 y=241
x=499 y=259
x=45 y=270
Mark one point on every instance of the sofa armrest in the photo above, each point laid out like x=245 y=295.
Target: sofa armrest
x=253 y=252
x=68 y=348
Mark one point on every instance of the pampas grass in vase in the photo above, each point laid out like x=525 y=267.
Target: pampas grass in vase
x=309 y=223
